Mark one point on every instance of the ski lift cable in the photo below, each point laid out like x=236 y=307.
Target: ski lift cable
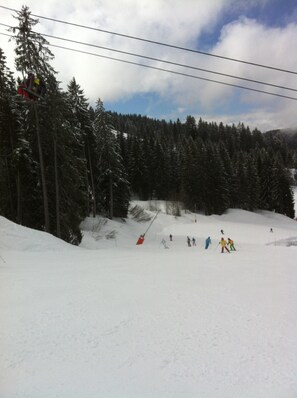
x=169 y=71
x=177 y=73
x=171 y=62
x=155 y=216
x=167 y=62
x=158 y=43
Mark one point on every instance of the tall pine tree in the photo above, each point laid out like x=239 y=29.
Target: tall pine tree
x=32 y=53
x=111 y=181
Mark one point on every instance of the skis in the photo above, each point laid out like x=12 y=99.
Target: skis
x=30 y=97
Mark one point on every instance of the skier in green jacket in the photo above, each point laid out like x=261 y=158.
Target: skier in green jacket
x=231 y=244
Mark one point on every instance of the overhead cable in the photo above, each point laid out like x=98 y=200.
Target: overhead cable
x=157 y=42
x=164 y=61
x=169 y=71
x=170 y=62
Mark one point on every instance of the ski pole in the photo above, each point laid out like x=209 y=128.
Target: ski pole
x=217 y=246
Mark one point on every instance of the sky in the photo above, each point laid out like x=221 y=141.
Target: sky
x=112 y=319
x=262 y=32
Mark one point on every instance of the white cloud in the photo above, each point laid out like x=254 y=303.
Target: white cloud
x=180 y=23
x=250 y=41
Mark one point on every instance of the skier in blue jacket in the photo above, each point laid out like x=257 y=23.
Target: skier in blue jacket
x=207 y=242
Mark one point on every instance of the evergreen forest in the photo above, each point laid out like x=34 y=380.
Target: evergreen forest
x=62 y=160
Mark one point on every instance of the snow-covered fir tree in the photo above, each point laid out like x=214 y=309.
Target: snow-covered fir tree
x=112 y=185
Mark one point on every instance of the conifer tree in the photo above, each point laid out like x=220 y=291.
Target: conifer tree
x=264 y=166
x=173 y=172
x=161 y=167
x=67 y=165
x=17 y=164
x=242 y=187
x=150 y=176
x=282 y=195
x=32 y=53
x=216 y=183
x=228 y=169
x=187 y=170
x=192 y=173
x=253 y=183
x=137 y=167
x=80 y=119
x=111 y=181
x=31 y=49
x=7 y=141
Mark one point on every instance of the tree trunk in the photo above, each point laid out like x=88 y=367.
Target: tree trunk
x=87 y=182
x=92 y=182
x=9 y=190
x=19 y=198
x=58 y=218
x=17 y=182
x=42 y=171
x=111 y=195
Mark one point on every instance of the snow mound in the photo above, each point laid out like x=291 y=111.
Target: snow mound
x=17 y=237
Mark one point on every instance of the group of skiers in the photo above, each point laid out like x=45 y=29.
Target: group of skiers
x=192 y=242
x=33 y=87
x=223 y=242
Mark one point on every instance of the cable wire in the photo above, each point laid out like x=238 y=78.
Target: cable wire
x=171 y=63
x=164 y=61
x=167 y=70
x=157 y=42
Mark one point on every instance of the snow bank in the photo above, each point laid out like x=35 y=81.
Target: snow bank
x=17 y=237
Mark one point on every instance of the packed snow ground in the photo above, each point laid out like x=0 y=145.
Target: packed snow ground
x=114 y=320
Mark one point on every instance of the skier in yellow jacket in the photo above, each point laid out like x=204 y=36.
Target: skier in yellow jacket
x=223 y=243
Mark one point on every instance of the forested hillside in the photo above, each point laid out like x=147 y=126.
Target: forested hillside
x=61 y=160
x=209 y=167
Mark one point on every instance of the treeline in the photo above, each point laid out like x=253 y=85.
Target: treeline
x=207 y=166
x=61 y=160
